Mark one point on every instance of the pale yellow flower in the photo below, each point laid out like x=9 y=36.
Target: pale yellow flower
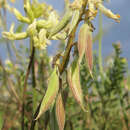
x=107 y=12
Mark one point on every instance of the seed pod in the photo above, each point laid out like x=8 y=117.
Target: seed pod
x=60 y=112
x=73 y=77
x=74 y=20
x=85 y=45
x=82 y=38
x=53 y=87
x=62 y=24
x=88 y=52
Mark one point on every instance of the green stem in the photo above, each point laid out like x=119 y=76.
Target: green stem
x=100 y=43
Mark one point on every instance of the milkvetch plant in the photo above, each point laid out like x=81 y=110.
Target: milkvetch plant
x=44 y=24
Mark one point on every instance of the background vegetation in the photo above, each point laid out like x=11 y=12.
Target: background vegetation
x=29 y=69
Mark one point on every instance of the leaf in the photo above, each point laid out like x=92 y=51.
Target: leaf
x=52 y=90
x=19 y=28
x=1 y=120
x=53 y=120
x=85 y=45
x=60 y=112
x=73 y=77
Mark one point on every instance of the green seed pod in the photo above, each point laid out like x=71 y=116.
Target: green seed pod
x=52 y=90
x=62 y=24
x=74 y=20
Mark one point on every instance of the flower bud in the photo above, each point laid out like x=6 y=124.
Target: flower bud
x=44 y=24
x=29 y=11
x=12 y=36
x=20 y=17
x=38 y=9
x=31 y=30
x=42 y=38
x=77 y=4
x=108 y=12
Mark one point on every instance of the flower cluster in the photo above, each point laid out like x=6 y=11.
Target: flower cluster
x=44 y=24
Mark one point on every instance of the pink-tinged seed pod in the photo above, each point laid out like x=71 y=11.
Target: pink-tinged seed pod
x=73 y=77
x=85 y=45
x=89 y=53
x=82 y=38
x=60 y=112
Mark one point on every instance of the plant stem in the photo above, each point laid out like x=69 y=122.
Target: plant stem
x=65 y=57
x=71 y=42
x=34 y=117
x=100 y=43
x=25 y=86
